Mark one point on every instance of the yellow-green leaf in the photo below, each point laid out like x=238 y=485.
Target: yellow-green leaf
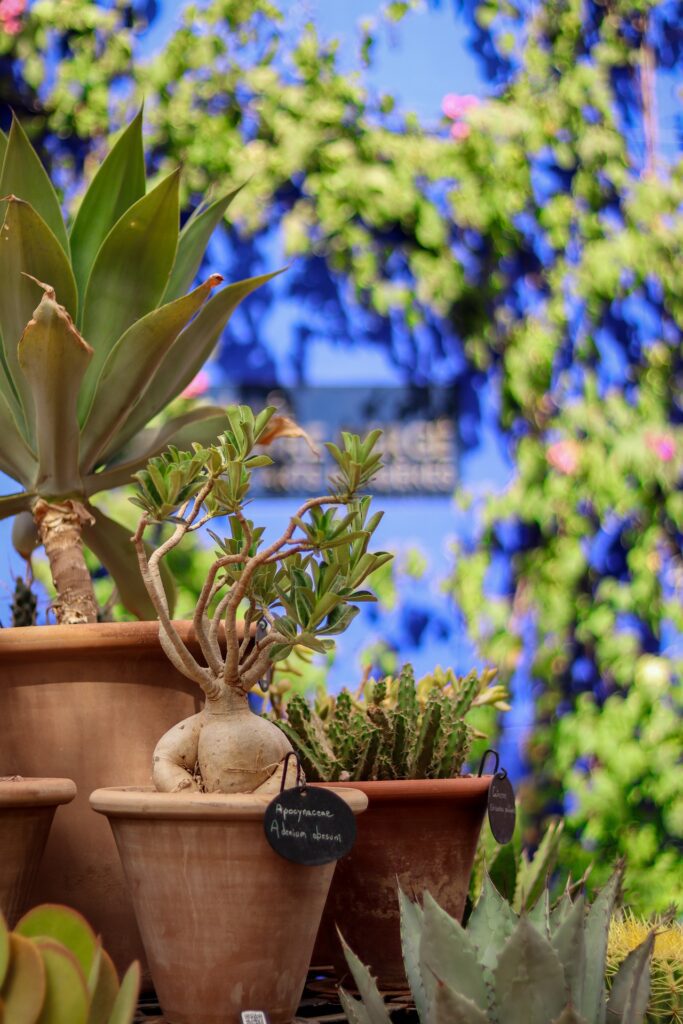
x=23 y=175
x=23 y=990
x=192 y=244
x=66 y=993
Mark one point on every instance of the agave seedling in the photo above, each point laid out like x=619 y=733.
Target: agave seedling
x=98 y=334
x=392 y=729
x=542 y=966
x=302 y=588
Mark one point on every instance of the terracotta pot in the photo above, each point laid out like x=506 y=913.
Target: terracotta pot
x=424 y=833
x=27 y=807
x=88 y=702
x=227 y=924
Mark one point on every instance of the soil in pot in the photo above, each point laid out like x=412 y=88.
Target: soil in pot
x=89 y=702
x=424 y=833
x=227 y=924
x=27 y=808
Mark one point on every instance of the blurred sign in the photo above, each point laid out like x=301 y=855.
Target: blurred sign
x=419 y=442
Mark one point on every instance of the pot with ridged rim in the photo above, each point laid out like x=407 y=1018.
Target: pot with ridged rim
x=227 y=924
x=27 y=808
x=88 y=702
x=422 y=833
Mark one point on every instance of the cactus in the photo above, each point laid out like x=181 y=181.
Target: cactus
x=24 y=604
x=535 y=968
x=666 y=976
x=392 y=728
x=53 y=970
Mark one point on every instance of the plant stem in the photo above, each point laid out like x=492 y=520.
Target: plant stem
x=59 y=528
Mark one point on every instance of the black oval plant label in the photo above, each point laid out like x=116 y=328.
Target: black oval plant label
x=310 y=826
x=502 y=812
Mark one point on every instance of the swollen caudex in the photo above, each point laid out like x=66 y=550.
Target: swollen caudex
x=222 y=749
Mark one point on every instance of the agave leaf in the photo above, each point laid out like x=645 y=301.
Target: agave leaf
x=129 y=274
x=28 y=247
x=631 y=986
x=3 y=148
x=491 y=923
x=111 y=543
x=568 y=941
x=539 y=915
x=202 y=425
x=103 y=986
x=130 y=365
x=354 y=1011
x=451 y=1007
x=16 y=458
x=4 y=942
x=117 y=185
x=192 y=244
x=63 y=925
x=596 y=932
x=448 y=954
x=192 y=348
x=23 y=175
x=127 y=998
x=367 y=987
x=411 y=933
x=533 y=872
x=53 y=358
x=529 y=981
x=23 y=989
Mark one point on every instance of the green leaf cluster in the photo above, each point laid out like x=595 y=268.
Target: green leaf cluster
x=53 y=970
x=392 y=729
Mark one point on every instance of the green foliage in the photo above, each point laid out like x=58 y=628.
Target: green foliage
x=53 y=970
x=113 y=339
x=519 y=877
x=540 y=967
x=392 y=728
x=314 y=573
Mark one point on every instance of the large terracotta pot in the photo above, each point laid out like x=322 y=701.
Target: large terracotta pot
x=227 y=924
x=27 y=807
x=421 y=832
x=88 y=702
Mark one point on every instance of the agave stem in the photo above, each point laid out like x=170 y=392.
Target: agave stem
x=59 y=528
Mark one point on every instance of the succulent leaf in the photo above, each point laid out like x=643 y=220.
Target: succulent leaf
x=54 y=358
x=66 y=992
x=129 y=274
x=449 y=955
x=103 y=988
x=16 y=458
x=412 y=920
x=23 y=175
x=569 y=943
x=127 y=997
x=192 y=244
x=63 y=925
x=367 y=987
x=593 y=1005
x=529 y=981
x=630 y=992
x=4 y=949
x=491 y=923
x=117 y=185
x=450 y=1007
x=23 y=989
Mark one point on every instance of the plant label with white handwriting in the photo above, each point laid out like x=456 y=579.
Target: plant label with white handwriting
x=253 y=1017
x=501 y=808
x=309 y=825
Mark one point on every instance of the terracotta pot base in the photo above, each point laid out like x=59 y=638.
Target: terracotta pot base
x=227 y=924
x=89 y=702
x=27 y=807
x=422 y=832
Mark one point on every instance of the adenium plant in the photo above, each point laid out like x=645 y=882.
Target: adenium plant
x=98 y=333
x=302 y=588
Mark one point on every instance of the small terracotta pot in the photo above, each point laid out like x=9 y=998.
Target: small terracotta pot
x=227 y=924
x=27 y=807
x=89 y=702
x=421 y=832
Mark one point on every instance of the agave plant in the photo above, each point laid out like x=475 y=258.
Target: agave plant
x=53 y=970
x=542 y=966
x=98 y=334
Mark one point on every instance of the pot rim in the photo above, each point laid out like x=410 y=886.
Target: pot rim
x=463 y=788
x=145 y=802
x=18 y=791
x=22 y=642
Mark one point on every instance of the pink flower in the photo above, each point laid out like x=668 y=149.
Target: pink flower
x=564 y=456
x=460 y=130
x=10 y=15
x=662 y=445
x=454 y=105
x=197 y=386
